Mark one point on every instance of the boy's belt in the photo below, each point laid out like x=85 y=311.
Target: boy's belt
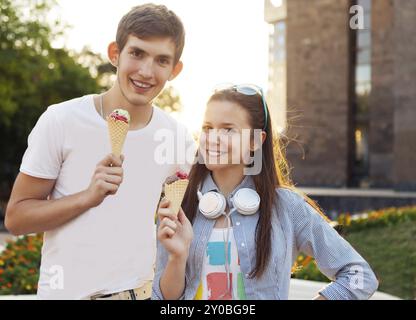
x=142 y=293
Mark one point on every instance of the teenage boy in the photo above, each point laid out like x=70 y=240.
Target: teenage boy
x=97 y=210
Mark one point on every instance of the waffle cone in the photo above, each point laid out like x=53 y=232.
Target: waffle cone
x=118 y=132
x=175 y=192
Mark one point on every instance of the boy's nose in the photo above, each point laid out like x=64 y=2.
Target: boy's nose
x=145 y=69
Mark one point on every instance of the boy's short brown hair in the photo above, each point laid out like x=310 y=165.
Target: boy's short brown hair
x=151 y=20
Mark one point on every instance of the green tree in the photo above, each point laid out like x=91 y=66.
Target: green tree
x=33 y=75
x=169 y=100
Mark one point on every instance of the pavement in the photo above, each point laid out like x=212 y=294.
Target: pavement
x=299 y=290
x=307 y=290
x=358 y=192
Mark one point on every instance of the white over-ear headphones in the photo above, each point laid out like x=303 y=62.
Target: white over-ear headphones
x=212 y=204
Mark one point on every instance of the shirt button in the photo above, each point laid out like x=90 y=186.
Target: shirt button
x=247 y=275
x=237 y=223
x=243 y=244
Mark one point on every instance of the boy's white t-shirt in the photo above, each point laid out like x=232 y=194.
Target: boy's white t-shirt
x=111 y=247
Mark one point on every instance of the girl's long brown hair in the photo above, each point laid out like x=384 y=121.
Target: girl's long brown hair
x=274 y=174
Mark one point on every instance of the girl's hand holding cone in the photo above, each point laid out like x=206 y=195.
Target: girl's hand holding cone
x=175 y=231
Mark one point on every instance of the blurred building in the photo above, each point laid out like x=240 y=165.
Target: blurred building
x=347 y=91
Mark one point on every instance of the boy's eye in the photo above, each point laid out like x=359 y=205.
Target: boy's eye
x=164 y=61
x=136 y=53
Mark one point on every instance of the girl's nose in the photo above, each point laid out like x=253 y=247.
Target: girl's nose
x=212 y=137
x=213 y=145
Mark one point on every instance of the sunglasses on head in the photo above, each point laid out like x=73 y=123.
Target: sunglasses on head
x=248 y=90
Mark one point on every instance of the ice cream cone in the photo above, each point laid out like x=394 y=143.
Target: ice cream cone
x=175 y=192
x=117 y=128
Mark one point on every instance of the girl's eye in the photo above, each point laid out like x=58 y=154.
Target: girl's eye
x=228 y=130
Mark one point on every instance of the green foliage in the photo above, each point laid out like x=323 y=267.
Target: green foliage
x=169 y=100
x=378 y=218
x=33 y=75
x=390 y=250
x=386 y=239
x=19 y=265
x=307 y=269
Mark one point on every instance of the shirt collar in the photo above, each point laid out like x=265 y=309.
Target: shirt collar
x=210 y=185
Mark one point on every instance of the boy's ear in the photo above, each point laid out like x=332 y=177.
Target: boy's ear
x=113 y=53
x=176 y=70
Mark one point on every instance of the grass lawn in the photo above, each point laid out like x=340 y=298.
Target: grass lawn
x=391 y=252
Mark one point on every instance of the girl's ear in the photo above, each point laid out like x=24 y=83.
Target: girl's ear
x=113 y=53
x=256 y=142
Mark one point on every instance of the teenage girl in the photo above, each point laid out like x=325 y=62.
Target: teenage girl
x=239 y=234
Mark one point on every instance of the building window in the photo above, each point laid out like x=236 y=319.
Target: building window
x=279 y=42
x=277 y=72
x=277 y=3
x=362 y=89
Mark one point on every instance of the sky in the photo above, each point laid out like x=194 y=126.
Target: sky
x=226 y=41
